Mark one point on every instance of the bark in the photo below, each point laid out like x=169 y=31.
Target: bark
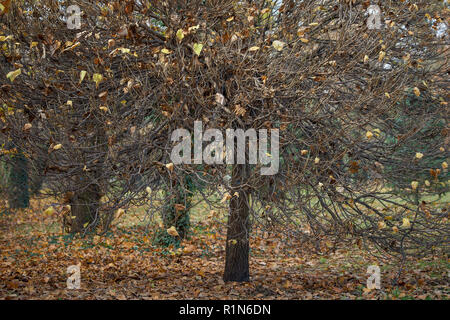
x=18 y=196
x=177 y=217
x=84 y=208
x=85 y=203
x=237 y=245
x=36 y=173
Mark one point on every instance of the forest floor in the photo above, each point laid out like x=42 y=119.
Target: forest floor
x=126 y=264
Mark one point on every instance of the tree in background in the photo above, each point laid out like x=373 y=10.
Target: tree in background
x=71 y=97
x=15 y=174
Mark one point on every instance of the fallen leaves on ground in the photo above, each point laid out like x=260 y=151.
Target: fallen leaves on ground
x=124 y=264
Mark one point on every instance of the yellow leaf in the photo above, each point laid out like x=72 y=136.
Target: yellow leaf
x=3 y=38
x=165 y=51
x=304 y=40
x=381 y=56
x=124 y=50
x=97 y=78
x=198 y=48
x=33 y=44
x=419 y=155
x=82 y=75
x=148 y=190
x=416 y=91
x=278 y=45
x=406 y=223
x=369 y=135
x=226 y=197
x=414 y=185
x=13 y=74
x=193 y=28
x=316 y=160
x=57 y=146
x=180 y=34
x=232 y=241
x=49 y=211
x=255 y=48
x=85 y=225
x=119 y=212
x=444 y=165
x=172 y=231
x=169 y=166
x=230 y=19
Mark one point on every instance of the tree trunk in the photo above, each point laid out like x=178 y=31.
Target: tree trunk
x=85 y=202
x=237 y=246
x=84 y=208
x=174 y=215
x=18 y=196
x=36 y=173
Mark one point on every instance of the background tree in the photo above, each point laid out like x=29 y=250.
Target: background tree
x=71 y=96
x=15 y=175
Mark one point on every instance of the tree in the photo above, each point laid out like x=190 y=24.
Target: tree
x=314 y=71
x=16 y=179
x=70 y=96
x=309 y=70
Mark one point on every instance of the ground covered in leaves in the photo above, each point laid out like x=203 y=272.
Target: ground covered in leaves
x=127 y=264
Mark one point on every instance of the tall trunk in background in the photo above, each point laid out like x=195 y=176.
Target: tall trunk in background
x=237 y=246
x=176 y=211
x=36 y=172
x=18 y=196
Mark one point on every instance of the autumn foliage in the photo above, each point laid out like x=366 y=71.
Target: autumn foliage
x=359 y=159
